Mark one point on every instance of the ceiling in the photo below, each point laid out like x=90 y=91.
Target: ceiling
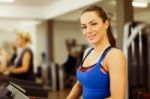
x=31 y=9
x=38 y=3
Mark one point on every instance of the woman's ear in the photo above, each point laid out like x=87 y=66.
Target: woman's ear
x=106 y=24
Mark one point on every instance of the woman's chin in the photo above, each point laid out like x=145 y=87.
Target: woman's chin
x=92 y=41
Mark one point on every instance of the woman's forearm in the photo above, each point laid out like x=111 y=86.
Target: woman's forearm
x=18 y=70
x=75 y=92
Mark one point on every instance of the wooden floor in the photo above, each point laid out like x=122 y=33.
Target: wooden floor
x=58 y=94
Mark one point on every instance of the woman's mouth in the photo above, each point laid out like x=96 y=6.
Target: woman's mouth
x=91 y=37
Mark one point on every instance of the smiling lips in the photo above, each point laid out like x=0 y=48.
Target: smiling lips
x=91 y=37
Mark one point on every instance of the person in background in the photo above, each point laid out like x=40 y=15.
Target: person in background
x=102 y=72
x=4 y=59
x=23 y=64
x=13 y=56
x=83 y=48
x=70 y=67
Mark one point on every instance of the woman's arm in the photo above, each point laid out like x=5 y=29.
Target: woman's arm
x=117 y=71
x=4 y=61
x=76 y=91
x=25 y=65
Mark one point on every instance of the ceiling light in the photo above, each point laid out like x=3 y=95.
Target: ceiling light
x=140 y=4
x=7 y=1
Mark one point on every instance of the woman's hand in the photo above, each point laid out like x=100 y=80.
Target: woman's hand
x=4 y=70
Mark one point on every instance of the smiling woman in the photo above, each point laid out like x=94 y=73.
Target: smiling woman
x=102 y=72
x=90 y=22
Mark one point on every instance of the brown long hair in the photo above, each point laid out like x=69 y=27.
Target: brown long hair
x=102 y=14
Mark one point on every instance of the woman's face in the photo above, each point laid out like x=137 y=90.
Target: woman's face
x=93 y=28
x=19 y=41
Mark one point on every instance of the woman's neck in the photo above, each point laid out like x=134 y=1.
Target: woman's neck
x=101 y=46
x=24 y=46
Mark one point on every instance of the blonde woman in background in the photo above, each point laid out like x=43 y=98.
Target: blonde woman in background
x=23 y=65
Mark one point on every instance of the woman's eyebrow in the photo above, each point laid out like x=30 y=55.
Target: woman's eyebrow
x=89 y=22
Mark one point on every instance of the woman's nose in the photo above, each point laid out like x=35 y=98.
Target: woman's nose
x=88 y=29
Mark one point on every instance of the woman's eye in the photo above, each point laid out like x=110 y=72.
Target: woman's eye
x=83 y=27
x=93 y=23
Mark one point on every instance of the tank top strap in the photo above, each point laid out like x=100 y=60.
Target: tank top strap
x=89 y=51
x=103 y=55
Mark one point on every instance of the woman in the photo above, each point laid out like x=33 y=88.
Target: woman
x=102 y=73
x=23 y=65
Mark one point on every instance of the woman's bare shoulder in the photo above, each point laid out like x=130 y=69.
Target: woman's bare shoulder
x=115 y=52
x=115 y=57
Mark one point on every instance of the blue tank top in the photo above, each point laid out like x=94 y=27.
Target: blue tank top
x=95 y=83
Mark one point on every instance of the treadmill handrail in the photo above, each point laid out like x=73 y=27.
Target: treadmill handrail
x=135 y=32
